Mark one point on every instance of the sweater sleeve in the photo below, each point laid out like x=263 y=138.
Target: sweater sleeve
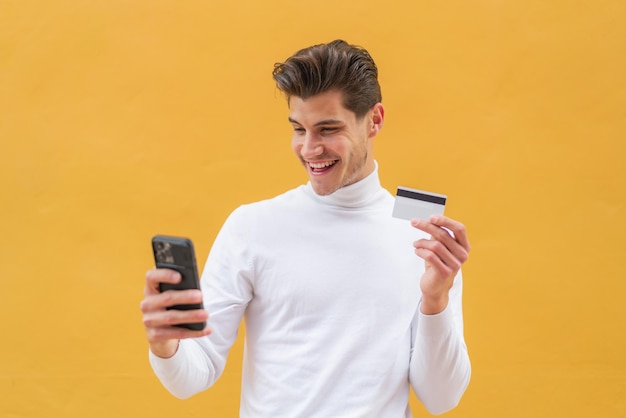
x=186 y=373
x=226 y=290
x=440 y=368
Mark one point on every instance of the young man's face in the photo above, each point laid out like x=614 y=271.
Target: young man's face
x=333 y=145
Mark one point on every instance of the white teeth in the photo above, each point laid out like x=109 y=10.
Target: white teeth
x=322 y=165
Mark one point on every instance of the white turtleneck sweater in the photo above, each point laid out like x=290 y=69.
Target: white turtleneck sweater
x=329 y=289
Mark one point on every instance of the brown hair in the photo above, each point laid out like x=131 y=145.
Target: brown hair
x=336 y=65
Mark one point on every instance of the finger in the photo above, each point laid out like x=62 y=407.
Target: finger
x=457 y=228
x=434 y=263
x=426 y=226
x=171 y=317
x=446 y=234
x=438 y=255
x=160 y=275
x=161 y=301
x=443 y=235
x=159 y=334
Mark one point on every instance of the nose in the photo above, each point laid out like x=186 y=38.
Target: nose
x=311 y=146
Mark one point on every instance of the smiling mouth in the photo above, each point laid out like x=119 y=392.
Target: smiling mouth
x=321 y=166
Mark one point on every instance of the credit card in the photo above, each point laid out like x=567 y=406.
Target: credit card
x=413 y=203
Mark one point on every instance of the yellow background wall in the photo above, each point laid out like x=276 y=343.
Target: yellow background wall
x=122 y=119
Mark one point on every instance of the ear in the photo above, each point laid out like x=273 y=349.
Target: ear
x=376 y=119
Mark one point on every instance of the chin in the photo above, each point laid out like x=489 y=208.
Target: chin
x=324 y=190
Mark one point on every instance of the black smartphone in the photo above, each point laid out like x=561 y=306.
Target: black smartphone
x=177 y=253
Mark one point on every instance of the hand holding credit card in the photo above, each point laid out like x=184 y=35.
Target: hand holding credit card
x=413 y=203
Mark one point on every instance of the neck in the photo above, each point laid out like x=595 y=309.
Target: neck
x=355 y=195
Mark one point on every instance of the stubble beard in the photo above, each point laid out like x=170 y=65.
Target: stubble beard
x=350 y=178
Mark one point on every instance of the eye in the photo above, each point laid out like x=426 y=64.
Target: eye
x=329 y=130
x=298 y=129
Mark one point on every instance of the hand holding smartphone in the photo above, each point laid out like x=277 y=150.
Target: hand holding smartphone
x=178 y=254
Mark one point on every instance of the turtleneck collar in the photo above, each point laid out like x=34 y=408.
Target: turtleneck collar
x=359 y=194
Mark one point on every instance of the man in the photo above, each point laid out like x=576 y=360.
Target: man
x=345 y=306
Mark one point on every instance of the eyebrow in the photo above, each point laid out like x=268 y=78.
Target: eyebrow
x=320 y=123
